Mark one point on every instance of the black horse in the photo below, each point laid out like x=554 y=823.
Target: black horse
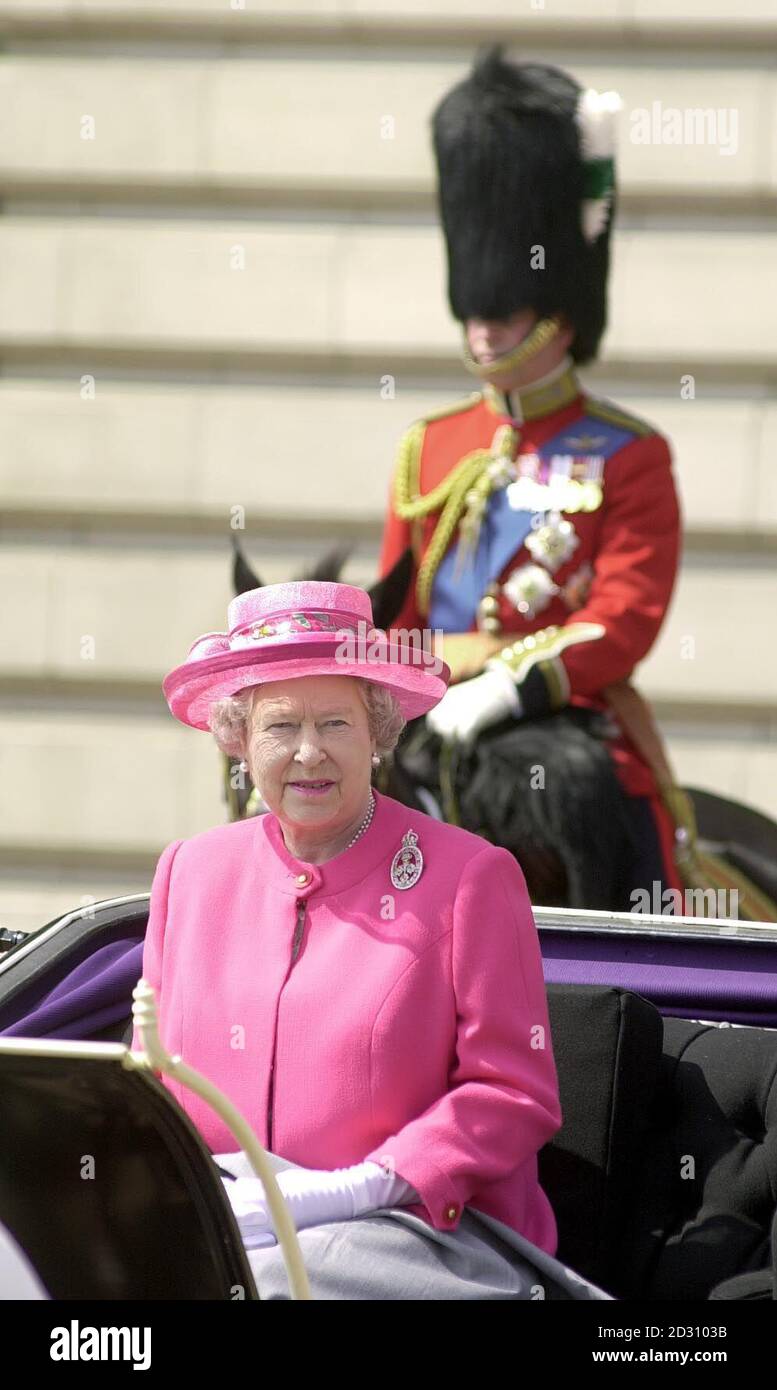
x=546 y=790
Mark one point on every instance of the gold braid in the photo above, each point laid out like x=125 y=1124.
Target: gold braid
x=407 y=508
x=443 y=531
x=495 y=475
x=466 y=489
x=450 y=496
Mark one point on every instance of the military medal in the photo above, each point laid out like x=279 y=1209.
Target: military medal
x=530 y=589
x=408 y=862
x=527 y=495
x=573 y=485
x=487 y=615
x=591 y=495
x=554 y=543
x=591 y=484
x=573 y=496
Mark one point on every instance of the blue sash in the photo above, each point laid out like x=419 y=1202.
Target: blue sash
x=454 y=600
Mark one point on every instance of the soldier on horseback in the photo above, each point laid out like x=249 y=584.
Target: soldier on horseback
x=544 y=522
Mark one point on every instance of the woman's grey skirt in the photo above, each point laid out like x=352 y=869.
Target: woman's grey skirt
x=393 y=1254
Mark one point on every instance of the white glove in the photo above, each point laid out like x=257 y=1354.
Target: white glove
x=315 y=1196
x=475 y=704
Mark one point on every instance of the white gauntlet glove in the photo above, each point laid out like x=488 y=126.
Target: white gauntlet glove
x=467 y=708
x=315 y=1196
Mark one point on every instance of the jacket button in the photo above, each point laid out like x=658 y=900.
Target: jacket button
x=302 y=879
x=451 y=1213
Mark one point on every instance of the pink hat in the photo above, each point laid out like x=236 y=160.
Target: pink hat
x=304 y=629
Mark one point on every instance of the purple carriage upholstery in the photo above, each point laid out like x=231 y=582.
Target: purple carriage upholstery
x=709 y=968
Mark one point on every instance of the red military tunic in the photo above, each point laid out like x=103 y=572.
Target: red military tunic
x=609 y=596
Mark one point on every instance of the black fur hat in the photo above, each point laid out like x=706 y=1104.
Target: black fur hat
x=514 y=176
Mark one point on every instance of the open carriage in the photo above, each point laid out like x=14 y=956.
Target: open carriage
x=662 y=1177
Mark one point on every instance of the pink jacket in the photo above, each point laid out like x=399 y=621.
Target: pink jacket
x=409 y=1027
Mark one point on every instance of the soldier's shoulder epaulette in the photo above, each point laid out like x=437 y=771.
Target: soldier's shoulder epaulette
x=613 y=415
x=455 y=408
x=409 y=501
x=413 y=436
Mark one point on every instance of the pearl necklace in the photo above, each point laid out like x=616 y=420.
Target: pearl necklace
x=365 y=825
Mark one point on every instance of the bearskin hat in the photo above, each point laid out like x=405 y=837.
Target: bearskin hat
x=526 y=194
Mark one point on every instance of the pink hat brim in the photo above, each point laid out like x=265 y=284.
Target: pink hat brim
x=191 y=689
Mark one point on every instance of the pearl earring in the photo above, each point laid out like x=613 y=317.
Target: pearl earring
x=375 y=760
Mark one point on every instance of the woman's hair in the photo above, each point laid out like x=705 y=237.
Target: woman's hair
x=229 y=719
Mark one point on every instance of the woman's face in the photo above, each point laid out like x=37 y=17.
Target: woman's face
x=309 y=751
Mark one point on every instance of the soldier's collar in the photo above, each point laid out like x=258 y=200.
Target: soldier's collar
x=552 y=392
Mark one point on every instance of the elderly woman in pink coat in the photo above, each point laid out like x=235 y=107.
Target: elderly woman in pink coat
x=363 y=982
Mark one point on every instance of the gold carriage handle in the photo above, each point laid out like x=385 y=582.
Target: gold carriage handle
x=156 y=1056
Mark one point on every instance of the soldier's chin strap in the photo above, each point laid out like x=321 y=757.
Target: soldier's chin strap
x=543 y=332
